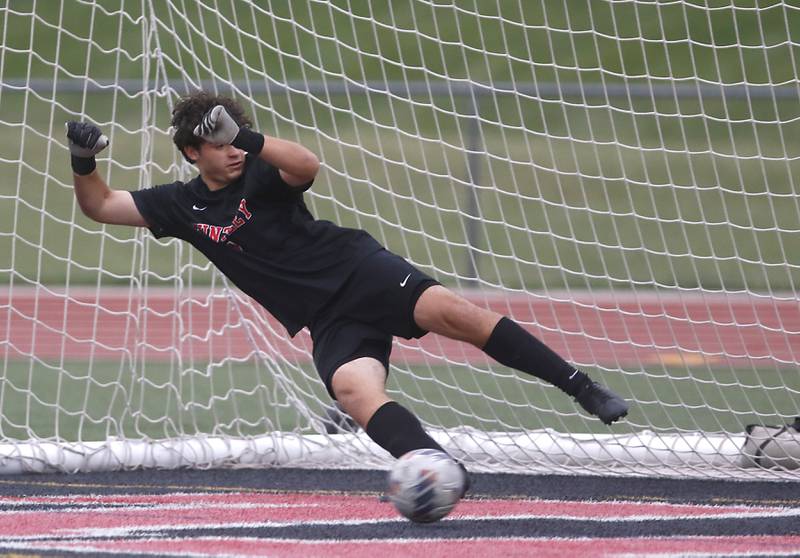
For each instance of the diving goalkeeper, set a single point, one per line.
(245, 211)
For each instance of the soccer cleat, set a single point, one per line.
(601, 402)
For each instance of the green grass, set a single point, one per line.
(602, 193)
(552, 213)
(404, 39)
(92, 402)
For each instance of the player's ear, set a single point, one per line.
(191, 154)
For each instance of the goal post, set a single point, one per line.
(617, 176)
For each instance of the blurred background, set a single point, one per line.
(519, 144)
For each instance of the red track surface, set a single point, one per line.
(198, 509)
(447, 548)
(620, 330)
(261, 525)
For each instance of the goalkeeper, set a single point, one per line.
(245, 211)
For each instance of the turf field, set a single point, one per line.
(92, 402)
(337, 513)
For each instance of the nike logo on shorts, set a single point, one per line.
(404, 281)
(198, 208)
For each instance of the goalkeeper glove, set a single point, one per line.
(85, 141)
(220, 128)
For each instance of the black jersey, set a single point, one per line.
(259, 233)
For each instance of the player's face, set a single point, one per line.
(219, 165)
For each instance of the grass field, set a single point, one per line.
(93, 401)
(614, 192)
(411, 40)
(552, 212)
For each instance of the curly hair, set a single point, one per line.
(190, 110)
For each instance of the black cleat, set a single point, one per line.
(601, 402)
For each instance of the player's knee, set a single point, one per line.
(345, 385)
(359, 387)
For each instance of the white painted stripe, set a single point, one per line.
(55, 546)
(111, 508)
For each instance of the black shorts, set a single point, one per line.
(375, 303)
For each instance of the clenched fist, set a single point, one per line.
(85, 140)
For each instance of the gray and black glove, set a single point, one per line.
(85, 141)
(217, 126)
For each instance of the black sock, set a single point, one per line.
(510, 345)
(396, 430)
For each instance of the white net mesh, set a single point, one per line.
(619, 177)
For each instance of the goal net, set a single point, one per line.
(620, 177)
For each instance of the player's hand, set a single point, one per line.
(217, 126)
(85, 140)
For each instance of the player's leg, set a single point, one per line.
(360, 388)
(352, 346)
(352, 359)
(444, 312)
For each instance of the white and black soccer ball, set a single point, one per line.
(425, 484)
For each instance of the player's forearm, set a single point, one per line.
(290, 157)
(91, 192)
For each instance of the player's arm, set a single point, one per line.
(298, 165)
(97, 201)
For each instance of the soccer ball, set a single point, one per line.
(425, 484)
